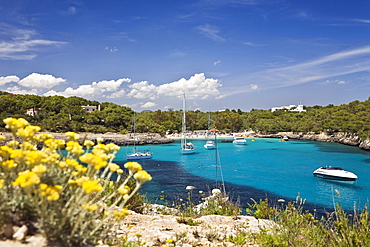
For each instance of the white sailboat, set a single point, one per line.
(186, 147)
(136, 155)
(209, 143)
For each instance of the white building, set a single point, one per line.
(293, 108)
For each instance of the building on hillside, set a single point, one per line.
(33, 112)
(91, 108)
(292, 108)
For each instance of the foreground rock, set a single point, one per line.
(161, 230)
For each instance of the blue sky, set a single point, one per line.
(235, 54)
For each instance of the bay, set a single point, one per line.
(262, 168)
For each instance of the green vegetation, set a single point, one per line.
(60, 114)
(296, 227)
(69, 197)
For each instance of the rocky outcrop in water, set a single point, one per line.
(339, 137)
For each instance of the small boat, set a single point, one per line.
(226, 140)
(139, 155)
(186, 147)
(239, 140)
(334, 173)
(209, 145)
(285, 138)
(136, 155)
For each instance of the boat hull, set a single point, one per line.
(139, 156)
(335, 174)
(187, 151)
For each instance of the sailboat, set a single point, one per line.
(136, 155)
(186, 147)
(209, 144)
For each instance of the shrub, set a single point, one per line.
(64, 195)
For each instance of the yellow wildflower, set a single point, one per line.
(15, 124)
(34, 158)
(94, 160)
(51, 192)
(133, 167)
(2, 138)
(54, 144)
(9, 164)
(26, 179)
(92, 207)
(123, 190)
(72, 136)
(12, 144)
(43, 137)
(27, 146)
(121, 214)
(39, 169)
(2, 183)
(119, 171)
(99, 140)
(88, 143)
(113, 167)
(28, 132)
(112, 147)
(142, 177)
(74, 148)
(91, 186)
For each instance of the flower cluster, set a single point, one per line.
(64, 183)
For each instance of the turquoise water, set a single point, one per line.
(262, 168)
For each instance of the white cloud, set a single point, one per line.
(116, 95)
(39, 81)
(17, 90)
(342, 82)
(21, 46)
(210, 32)
(198, 86)
(95, 89)
(148, 105)
(216, 62)
(323, 68)
(8, 79)
(142, 90)
(254, 86)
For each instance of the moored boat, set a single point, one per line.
(209, 145)
(186, 147)
(239, 140)
(334, 173)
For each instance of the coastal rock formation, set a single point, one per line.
(339, 137)
(118, 139)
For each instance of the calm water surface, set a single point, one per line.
(262, 168)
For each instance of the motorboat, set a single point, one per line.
(239, 140)
(209, 145)
(334, 173)
(285, 138)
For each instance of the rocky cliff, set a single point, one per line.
(339, 137)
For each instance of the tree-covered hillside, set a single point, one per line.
(60, 114)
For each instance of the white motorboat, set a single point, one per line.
(209, 145)
(239, 140)
(285, 138)
(334, 173)
(186, 147)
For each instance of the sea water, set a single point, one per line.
(264, 168)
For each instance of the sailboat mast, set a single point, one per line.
(184, 120)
